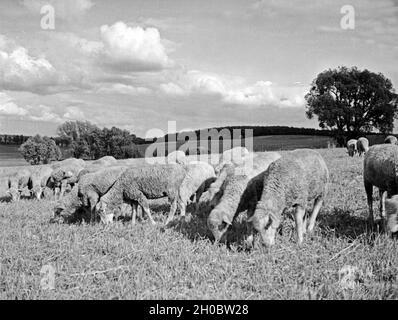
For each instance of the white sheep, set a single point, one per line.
(362, 146)
(392, 214)
(235, 155)
(17, 182)
(177, 156)
(391, 140)
(137, 185)
(65, 173)
(380, 169)
(239, 191)
(39, 179)
(290, 182)
(105, 161)
(198, 177)
(94, 185)
(352, 147)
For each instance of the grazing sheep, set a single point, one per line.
(240, 191)
(137, 185)
(68, 208)
(392, 214)
(65, 173)
(198, 176)
(235, 155)
(291, 181)
(39, 178)
(352, 147)
(380, 169)
(18, 181)
(105, 161)
(362, 146)
(391, 140)
(177, 157)
(94, 185)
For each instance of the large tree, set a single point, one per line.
(352, 101)
(40, 150)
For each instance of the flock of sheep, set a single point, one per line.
(266, 185)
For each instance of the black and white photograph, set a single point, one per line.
(221, 151)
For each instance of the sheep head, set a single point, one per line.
(392, 214)
(218, 223)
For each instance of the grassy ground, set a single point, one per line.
(146, 262)
(10, 156)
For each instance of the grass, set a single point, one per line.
(145, 262)
(10, 156)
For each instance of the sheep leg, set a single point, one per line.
(369, 195)
(173, 209)
(143, 202)
(299, 219)
(383, 195)
(317, 206)
(134, 212)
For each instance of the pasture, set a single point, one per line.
(121, 261)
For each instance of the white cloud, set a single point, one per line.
(43, 113)
(123, 89)
(73, 113)
(20, 71)
(9, 107)
(64, 9)
(133, 48)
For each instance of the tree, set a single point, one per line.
(352, 102)
(40, 150)
(73, 130)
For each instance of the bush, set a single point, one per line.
(40, 150)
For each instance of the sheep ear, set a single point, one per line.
(226, 219)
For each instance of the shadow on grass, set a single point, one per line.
(344, 223)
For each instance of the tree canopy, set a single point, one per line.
(40, 150)
(352, 101)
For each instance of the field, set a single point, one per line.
(10, 156)
(343, 259)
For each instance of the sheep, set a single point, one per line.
(105, 161)
(137, 185)
(240, 191)
(352, 147)
(68, 208)
(198, 177)
(65, 172)
(177, 157)
(39, 178)
(94, 185)
(291, 181)
(392, 214)
(16, 182)
(380, 169)
(235, 155)
(362, 145)
(391, 140)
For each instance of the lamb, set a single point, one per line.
(352, 147)
(240, 191)
(392, 214)
(391, 140)
(198, 177)
(39, 178)
(18, 181)
(291, 181)
(362, 146)
(235, 155)
(94, 185)
(380, 169)
(68, 208)
(177, 157)
(137, 185)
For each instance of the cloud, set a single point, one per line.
(74, 113)
(63, 9)
(21, 71)
(235, 90)
(43, 113)
(133, 48)
(9, 107)
(123, 89)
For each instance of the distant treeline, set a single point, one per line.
(13, 139)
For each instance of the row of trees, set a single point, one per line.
(86, 140)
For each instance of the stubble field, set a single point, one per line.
(342, 259)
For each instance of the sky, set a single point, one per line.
(137, 64)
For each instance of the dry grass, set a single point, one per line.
(146, 262)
